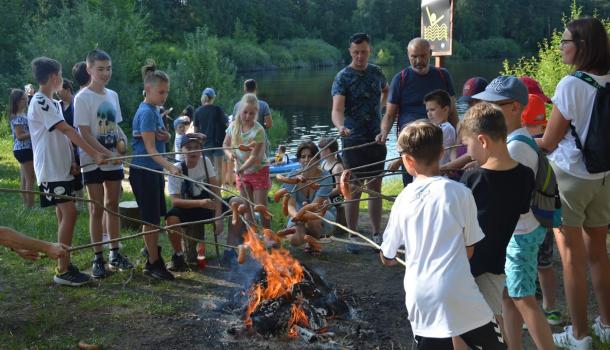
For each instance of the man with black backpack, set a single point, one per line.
(408, 88)
(191, 202)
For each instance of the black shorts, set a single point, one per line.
(148, 188)
(485, 337)
(24, 155)
(99, 176)
(64, 188)
(363, 156)
(545, 251)
(190, 214)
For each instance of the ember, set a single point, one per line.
(287, 298)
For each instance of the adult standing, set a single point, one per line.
(264, 112)
(408, 88)
(211, 120)
(585, 196)
(359, 90)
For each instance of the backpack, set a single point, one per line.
(596, 149)
(546, 204)
(186, 190)
(404, 73)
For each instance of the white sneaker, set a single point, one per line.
(601, 330)
(566, 340)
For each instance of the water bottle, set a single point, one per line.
(202, 262)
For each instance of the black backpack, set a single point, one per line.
(186, 190)
(596, 149)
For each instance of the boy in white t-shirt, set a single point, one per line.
(97, 115)
(436, 221)
(438, 107)
(190, 201)
(519, 301)
(53, 160)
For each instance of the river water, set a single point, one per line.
(303, 96)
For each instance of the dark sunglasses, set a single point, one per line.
(358, 38)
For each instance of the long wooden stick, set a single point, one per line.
(366, 239)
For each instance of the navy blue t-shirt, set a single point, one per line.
(414, 88)
(362, 91)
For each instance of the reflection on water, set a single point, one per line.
(303, 97)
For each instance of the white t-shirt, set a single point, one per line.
(102, 114)
(436, 219)
(53, 154)
(197, 173)
(574, 98)
(449, 136)
(524, 154)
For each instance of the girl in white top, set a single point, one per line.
(585, 197)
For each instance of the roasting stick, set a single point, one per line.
(337, 239)
(125, 238)
(131, 156)
(371, 243)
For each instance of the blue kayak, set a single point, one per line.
(284, 168)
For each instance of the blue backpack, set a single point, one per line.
(546, 204)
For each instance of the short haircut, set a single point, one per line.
(80, 74)
(151, 75)
(282, 148)
(358, 38)
(484, 118)
(43, 68)
(307, 145)
(97, 55)
(67, 85)
(421, 140)
(592, 45)
(250, 85)
(439, 96)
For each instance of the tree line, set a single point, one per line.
(204, 42)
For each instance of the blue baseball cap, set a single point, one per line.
(504, 88)
(209, 92)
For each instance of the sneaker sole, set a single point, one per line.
(64, 282)
(115, 269)
(554, 322)
(156, 276)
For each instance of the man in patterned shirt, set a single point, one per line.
(359, 90)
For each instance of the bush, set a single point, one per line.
(245, 55)
(495, 47)
(547, 67)
(278, 133)
(388, 52)
(461, 51)
(280, 56)
(313, 52)
(199, 65)
(70, 35)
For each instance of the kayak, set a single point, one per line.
(284, 168)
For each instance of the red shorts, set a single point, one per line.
(259, 180)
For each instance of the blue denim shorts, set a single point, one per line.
(522, 263)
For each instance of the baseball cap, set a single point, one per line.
(471, 87)
(181, 120)
(504, 88)
(197, 138)
(534, 113)
(209, 92)
(533, 87)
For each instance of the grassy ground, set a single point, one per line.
(37, 314)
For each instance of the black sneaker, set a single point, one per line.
(72, 277)
(99, 269)
(177, 264)
(157, 270)
(120, 263)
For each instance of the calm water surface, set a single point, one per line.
(303, 97)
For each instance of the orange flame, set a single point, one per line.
(298, 317)
(282, 272)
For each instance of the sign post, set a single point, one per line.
(437, 27)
